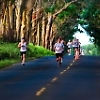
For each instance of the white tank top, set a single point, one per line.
(75, 44)
(23, 47)
(59, 47)
(69, 44)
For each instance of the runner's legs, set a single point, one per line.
(58, 58)
(23, 57)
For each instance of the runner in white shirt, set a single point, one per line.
(58, 47)
(69, 45)
(75, 43)
(76, 46)
(64, 43)
(23, 48)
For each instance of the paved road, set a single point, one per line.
(41, 79)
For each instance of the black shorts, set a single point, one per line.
(69, 48)
(21, 53)
(75, 48)
(59, 55)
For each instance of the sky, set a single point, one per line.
(83, 37)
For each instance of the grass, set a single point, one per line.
(9, 53)
(7, 62)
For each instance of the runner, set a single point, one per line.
(58, 47)
(69, 45)
(23, 45)
(79, 46)
(75, 45)
(76, 54)
(63, 42)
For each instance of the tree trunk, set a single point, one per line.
(7, 20)
(23, 25)
(28, 25)
(11, 22)
(6, 34)
(43, 31)
(11, 15)
(48, 29)
(18, 5)
(52, 36)
(18, 23)
(38, 19)
(3, 22)
(38, 33)
(33, 34)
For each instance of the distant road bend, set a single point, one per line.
(41, 79)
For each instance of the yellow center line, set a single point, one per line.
(61, 73)
(65, 70)
(71, 64)
(73, 61)
(68, 67)
(40, 91)
(54, 79)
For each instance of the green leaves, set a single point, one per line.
(63, 15)
(91, 49)
(70, 11)
(50, 9)
(72, 8)
(90, 17)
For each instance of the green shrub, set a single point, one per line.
(8, 50)
(38, 51)
(11, 51)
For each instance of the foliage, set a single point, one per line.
(7, 62)
(9, 52)
(90, 20)
(91, 49)
(68, 21)
(51, 9)
(84, 12)
(38, 51)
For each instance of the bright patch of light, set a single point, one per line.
(83, 37)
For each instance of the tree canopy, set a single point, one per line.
(41, 21)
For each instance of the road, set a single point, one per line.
(41, 79)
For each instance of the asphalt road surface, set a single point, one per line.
(42, 79)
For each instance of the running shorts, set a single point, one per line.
(59, 55)
(21, 53)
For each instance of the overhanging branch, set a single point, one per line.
(66, 5)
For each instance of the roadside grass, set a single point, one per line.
(10, 54)
(7, 62)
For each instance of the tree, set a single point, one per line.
(90, 19)
(32, 19)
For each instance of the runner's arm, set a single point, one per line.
(54, 47)
(19, 45)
